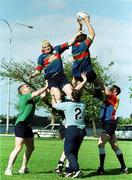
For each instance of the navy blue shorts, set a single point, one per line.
(109, 127)
(91, 76)
(62, 131)
(58, 81)
(23, 130)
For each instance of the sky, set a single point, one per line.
(55, 20)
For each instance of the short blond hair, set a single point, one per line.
(45, 42)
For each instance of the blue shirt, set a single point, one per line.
(81, 55)
(52, 63)
(106, 112)
(108, 109)
(74, 113)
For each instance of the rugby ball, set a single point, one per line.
(80, 15)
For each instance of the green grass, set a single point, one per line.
(47, 153)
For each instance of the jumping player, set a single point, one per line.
(109, 125)
(23, 131)
(81, 55)
(50, 60)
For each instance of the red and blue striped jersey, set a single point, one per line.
(109, 107)
(81, 55)
(52, 63)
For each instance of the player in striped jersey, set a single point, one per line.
(50, 60)
(81, 55)
(109, 124)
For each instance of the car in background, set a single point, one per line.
(50, 131)
(124, 132)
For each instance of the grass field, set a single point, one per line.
(47, 153)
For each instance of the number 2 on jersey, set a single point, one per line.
(78, 112)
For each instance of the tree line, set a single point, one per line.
(20, 71)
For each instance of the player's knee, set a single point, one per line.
(114, 147)
(18, 149)
(67, 89)
(101, 149)
(32, 149)
(100, 145)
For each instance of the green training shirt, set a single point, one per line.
(26, 108)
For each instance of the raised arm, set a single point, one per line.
(53, 101)
(86, 20)
(79, 24)
(81, 85)
(106, 91)
(40, 91)
(44, 93)
(70, 42)
(36, 73)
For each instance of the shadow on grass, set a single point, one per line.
(107, 172)
(45, 172)
(39, 172)
(93, 173)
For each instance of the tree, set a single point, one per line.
(19, 72)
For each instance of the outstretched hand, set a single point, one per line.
(86, 19)
(30, 77)
(83, 75)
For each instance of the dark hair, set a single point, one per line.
(118, 90)
(76, 95)
(81, 37)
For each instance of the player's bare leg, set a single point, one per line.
(18, 146)
(104, 138)
(68, 90)
(29, 143)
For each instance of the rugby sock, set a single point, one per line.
(60, 162)
(102, 156)
(102, 159)
(67, 163)
(120, 158)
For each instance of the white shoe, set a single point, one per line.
(8, 172)
(78, 174)
(124, 170)
(59, 168)
(69, 175)
(23, 171)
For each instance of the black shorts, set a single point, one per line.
(109, 127)
(23, 130)
(91, 76)
(59, 81)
